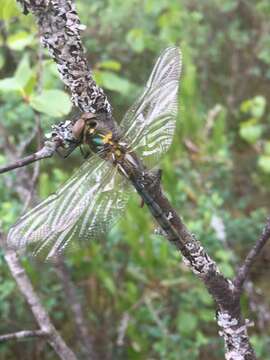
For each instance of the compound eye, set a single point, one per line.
(77, 129)
(92, 124)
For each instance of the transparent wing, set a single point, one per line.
(86, 206)
(150, 123)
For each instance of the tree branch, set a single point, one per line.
(20, 335)
(61, 136)
(60, 27)
(244, 270)
(70, 291)
(227, 299)
(40, 314)
(46, 152)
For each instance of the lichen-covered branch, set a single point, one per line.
(235, 336)
(61, 136)
(59, 28)
(223, 291)
(47, 151)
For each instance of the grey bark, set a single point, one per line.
(59, 28)
(40, 314)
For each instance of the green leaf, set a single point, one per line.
(2, 159)
(109, 285)
(135, 39)
(110, 65)
(137, 273)
(6, 288)
(155, 7)
(113, 82)
(227, 269)
(264, 163)
(23, 72)
(44, 187)
(54, 103)
(259, 104)
(251, 131)
(19, 40)
(9, 84)
(8, 9)
(223, 255)
(229, 5)
(186, 322)
(264, 55)
(267, 148)
(256, 106)
(20, 79)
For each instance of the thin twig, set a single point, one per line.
(85, 338)
(34, 180)
(244, 270)
(40, 314)
(23, 334)
(38, 130)
(255, 301)
(258, 306)
(122, 328)
(22, 147)
(47, 151)
(36, 170)
(156, 317)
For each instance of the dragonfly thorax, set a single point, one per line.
(107, 147)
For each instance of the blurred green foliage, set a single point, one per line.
(217, 172)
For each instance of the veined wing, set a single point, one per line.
(150, 123)
(87, 205)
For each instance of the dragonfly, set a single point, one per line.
(92, 200)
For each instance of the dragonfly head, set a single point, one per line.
(94, 130)
(86, 123)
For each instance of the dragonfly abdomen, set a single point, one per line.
(160, 216)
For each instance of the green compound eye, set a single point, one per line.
(97, 140)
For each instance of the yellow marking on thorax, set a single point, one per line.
(107, 139)
(118, 152)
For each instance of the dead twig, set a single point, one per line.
(47, 151)
(244, 270)
(20, 335)
(81, 325)
(40, 314)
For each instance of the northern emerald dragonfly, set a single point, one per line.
(90, 202)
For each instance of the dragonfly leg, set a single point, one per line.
(123, 171)
(64, 154)
(85, 154)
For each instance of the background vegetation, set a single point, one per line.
(217, 173)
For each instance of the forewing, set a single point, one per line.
(150, 123)
(86, 205)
